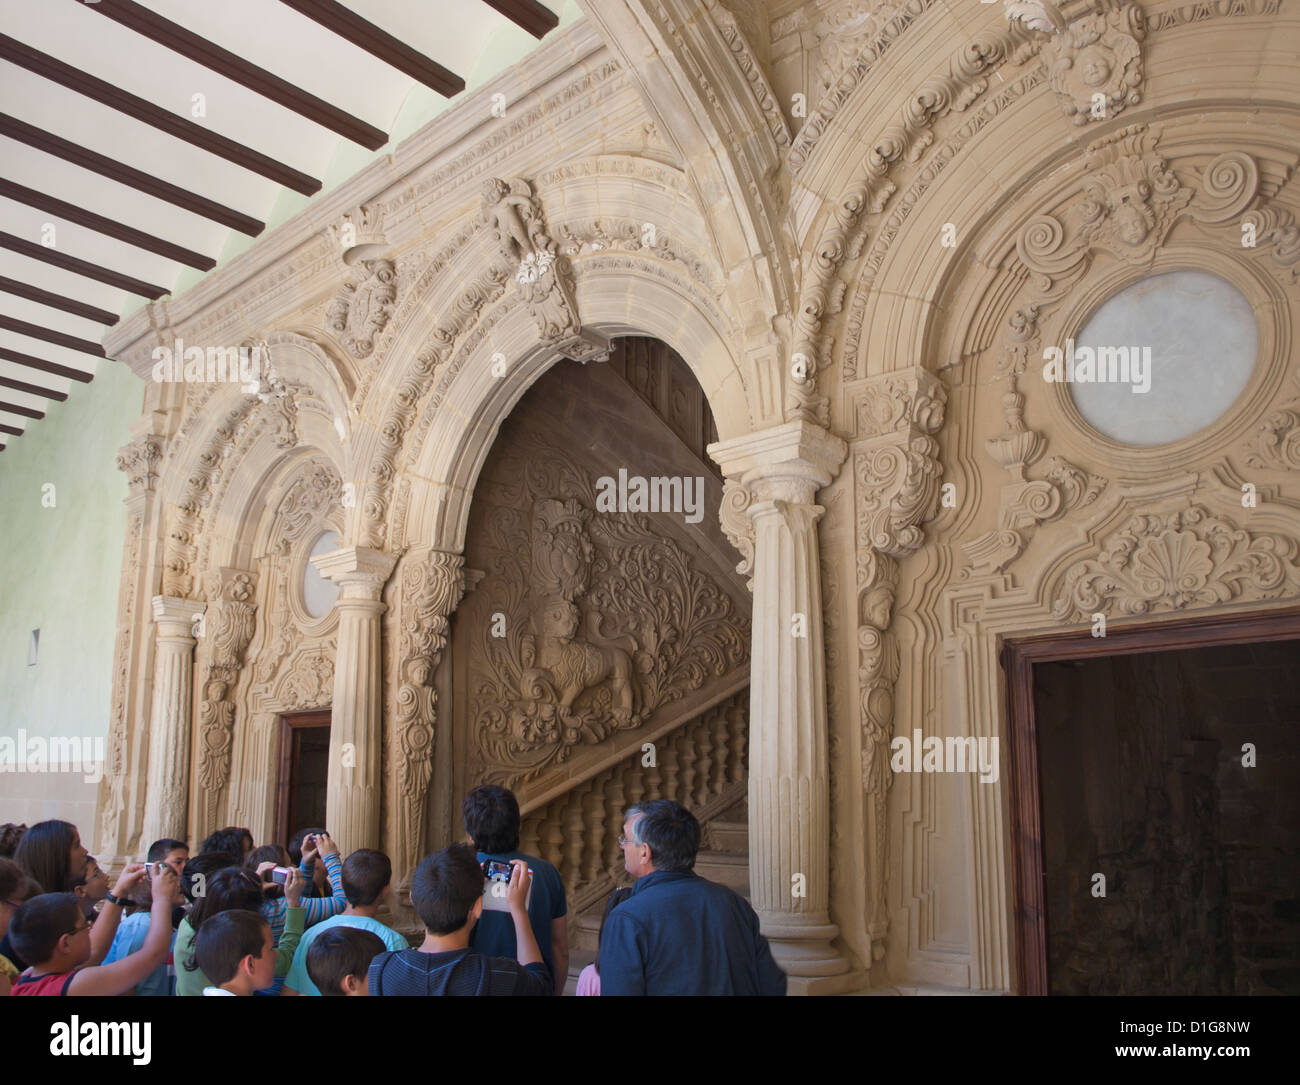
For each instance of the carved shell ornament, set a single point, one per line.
(1189, 558)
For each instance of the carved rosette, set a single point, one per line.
(515, 221)
(896, 473)
(430, 586)
(1177, 560)
(229, 624)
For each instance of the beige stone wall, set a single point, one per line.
(862, 280)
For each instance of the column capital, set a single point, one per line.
(175, 616)
(359, 571)
(789, 462)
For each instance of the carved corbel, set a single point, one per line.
(738, 527)
(228, 628)
(514, 219)
(896, 473)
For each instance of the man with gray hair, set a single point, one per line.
(678, 933)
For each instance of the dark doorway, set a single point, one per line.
(1127, 762)
(303, 768)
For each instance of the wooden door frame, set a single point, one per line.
(289, 723)
(1018, 656)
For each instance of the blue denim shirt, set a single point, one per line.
(679, 934)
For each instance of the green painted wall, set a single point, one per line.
(61, 571)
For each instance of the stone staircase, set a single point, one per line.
(723, 858)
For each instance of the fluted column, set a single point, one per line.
(779, 472)
(352, 801)
(167, 794)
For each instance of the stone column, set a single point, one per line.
(780, 471)
(167, 797)
(352, 803)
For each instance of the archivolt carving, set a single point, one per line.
(753, 71)
(229, 622)
(1277, 441)
(896, 474)
(1098, 54)
(599, 235)
(604, 622)
(1188, 558)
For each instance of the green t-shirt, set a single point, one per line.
(298, 978)
(192, 983)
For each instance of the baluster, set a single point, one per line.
(615, 804)
(718, 728)
(529, 833)
(639, 781)
(689, 765)
(669, 764)
(553, 835)
(704, 740)
(735, 744)
(573, 835)
(595, 827)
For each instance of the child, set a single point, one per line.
(134, 929)
(175, 853)
(447, 892)
(339, 958)
(367, 877)
(16, 886)
(51, 931)
(589, 978)
(91, 887)
(234, 950)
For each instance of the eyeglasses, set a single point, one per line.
(624, 841)
(78, 930)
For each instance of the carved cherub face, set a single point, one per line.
(1093, 66)
(1132, 217)
(493, 189)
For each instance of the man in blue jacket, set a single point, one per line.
(679, 934)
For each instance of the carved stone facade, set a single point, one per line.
(859, 224)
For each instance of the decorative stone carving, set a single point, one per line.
(229, 622)
(605, 621)
(740, 42)
(738, 527)
(1098, 54)
(1277, 442)
(1176, 560)
(896, 473)
(362, 308)
(141, 460)
(430, 585)
(514, 219)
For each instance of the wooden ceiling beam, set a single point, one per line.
(537, 19)
(10, 429)
(32, 362)
(81, 267)
(49, 335)
(41, 140)
(19, 409)
(100, 224)
(33, 389)
(55, 301)
(235, 68)
(379, 43)
(48, 67)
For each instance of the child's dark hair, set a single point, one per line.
(295, 845)
(365, 874)
(491, 816)
(267, 853)
(10, 835)
(231, 889)
(230, 840)
(160, 849)
(225, 940)
(43, 852)
(444, 888)
(198, 871)
(37, 926)
(340, 952)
